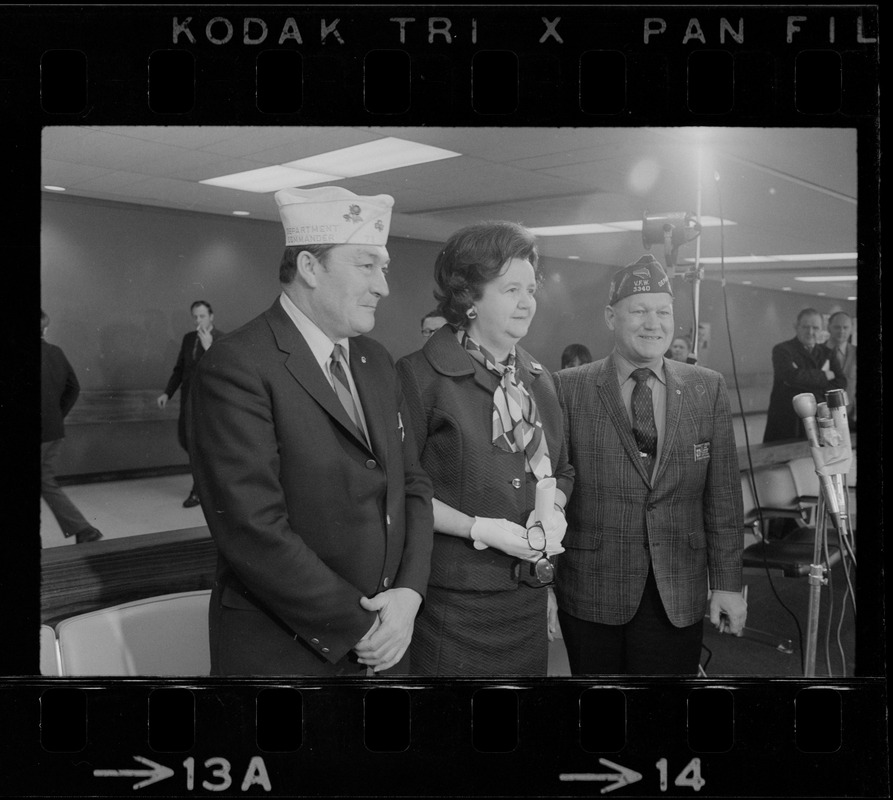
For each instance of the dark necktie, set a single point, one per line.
(644, 427)
(342, 389)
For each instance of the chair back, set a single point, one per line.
(49, 652)
(164, 635)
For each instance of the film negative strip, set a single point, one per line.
(577, 66)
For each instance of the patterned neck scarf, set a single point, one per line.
(516, 424)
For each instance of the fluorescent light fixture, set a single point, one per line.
(348, 162)
(269, 179)
(377, 156)
(851, 298)
(747, 283)
(786, 288)
(55, 188)
(611, 227)
(777, 258)
(827, 278)
(574, 258)
(241, 213)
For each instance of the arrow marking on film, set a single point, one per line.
(623, 776)
(157, 772)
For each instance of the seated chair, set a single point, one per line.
(49, 652)
(164, 635)
(777, 496)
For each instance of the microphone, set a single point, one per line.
(836, 401)
(805, 406)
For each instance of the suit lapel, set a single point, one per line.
(675, 398)
(305, 369)
(609, 392)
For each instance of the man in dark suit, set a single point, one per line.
(800, 365)
(308, 479)
(192, 348)
(654, 523)
(59, 390)
(840, 330)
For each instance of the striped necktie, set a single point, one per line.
(644, 427)
(342, 389)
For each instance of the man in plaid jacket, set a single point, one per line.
(654, 524)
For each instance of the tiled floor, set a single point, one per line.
(127, 508)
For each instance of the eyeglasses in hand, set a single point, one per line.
(542, 570)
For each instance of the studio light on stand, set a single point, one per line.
(674, 230)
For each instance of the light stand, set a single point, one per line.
(674, 230)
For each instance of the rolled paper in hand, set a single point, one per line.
(544, 506)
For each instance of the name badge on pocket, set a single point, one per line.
(702, 451)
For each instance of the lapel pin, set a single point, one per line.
(679, 391)
(363, 359)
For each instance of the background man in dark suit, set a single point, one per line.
(59, 390)
(840, 329)
(800, 365)
(655, 518)
(193, 347)
(308, 479)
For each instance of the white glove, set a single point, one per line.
(555, 528)
(502, 535)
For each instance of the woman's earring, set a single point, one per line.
(471, 313)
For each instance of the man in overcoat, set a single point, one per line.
(194, 345)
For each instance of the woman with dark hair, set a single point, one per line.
(489, 428)
(575, 355)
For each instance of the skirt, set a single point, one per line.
(481, 634)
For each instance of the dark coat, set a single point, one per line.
(797, 371)
(307, 519)
(191, 352)
(690, 517)
(450, 398)
(59, 390)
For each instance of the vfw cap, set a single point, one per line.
(644, 276)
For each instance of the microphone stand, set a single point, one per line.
(817, 572)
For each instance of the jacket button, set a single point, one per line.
(516, 483)
(314, 641)
(370, 464)
(325, 649)
(385, 582)
(388, 518)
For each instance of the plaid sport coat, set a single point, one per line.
(687, 524)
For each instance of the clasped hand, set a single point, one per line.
(386, 641)
(505, 536)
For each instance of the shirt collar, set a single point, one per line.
(625, 367)
(320, 345)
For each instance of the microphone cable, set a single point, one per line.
(722, 266)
